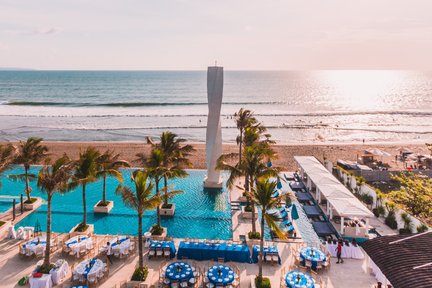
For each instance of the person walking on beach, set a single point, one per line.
(339, 252)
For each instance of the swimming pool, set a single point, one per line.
(200, 213)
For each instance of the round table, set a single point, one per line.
(83, 270)
(36, 242)
(120, 244)
(312, 254)
(302, 281)
(220, 274)
(179, 271)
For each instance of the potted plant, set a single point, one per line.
(85, 169)
(29, 153)
(108, 165)
(246, 212)
(407, 224)
(139, 277)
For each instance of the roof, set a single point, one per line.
(396, 261)
(339, 197)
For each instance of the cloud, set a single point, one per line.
(37, 31)
(48, 31)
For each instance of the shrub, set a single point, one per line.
(390, 220)
(248, 208)
(103, 204)
(32, 200)
(2, 223)
(166, 206)
(46, 269)
(156, 230)
(81, 227)
(367, 199)
(404, 231)
(407, 222)
(140, 274)
(254, 235)
(378, 211)
(262, 282)
(422, 228)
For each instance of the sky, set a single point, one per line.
(238, 34)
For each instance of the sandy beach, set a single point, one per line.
(333, 152)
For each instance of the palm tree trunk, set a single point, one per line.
(165, 190)
(253, 211)
(48, 233)
(253, 217)
(27, 184)
(261, 255)
(104, 190)
(157, 208)
(140, 240)
(240, 145)
(84, 205)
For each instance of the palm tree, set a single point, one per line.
(243, 118)
(261, 195)
(109, 165)
(157, 170)
(141, 200)
(85, 172)
(252, 167)
(29, 152)
(53, 179)
(175, 157)
(7, 156)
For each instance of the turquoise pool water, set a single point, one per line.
(200, 213)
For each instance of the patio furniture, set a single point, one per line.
(164, 245)
(297, 279)
(271, 254)
(311, 256)
(220, 275)
(213, 251)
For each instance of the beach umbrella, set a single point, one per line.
(269, 164)
(279, 184)
(294, 213)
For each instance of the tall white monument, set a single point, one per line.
(214, 133)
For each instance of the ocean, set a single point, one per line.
(297, 107)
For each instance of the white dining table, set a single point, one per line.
(41, 282)
(36, 242)
(122, 246)
(96, 269)
(60, 272)
(77, 242)
(351, 251)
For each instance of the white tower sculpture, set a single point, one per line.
(214, 133)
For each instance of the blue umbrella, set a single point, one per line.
(269, 164)
(279, 184)
(294, 213)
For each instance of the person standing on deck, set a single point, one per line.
(339, 252)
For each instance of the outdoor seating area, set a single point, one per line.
(78, 246)
(214, 251)
(35, 247)
(270, 254)
(89, 271)
(56, 275)
(163, 249)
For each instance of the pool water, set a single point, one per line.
(200, 213)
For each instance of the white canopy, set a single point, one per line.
(338, 196)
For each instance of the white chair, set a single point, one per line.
(175, 284)
(29, 252)
(268, 257)
(184, 284)
(210, 285)
(116, 252)
(167, 252)
(308, 264)
(275, 258)
(75, 276)
(91, 278)
(82, 251)
(39, 251)
(159, 253)
(152, 253)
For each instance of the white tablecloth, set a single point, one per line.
(97, 268)
(75, 245)
(59, 273)
(122, 247)
(347, 251)
(32, 244)
(42, 282)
